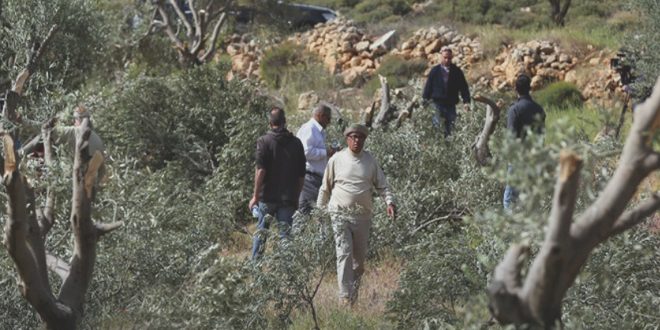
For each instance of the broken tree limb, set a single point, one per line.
(407, 113)
(569, 244)
(369, 115)
(384, 102)
(33, 60)
(480, 148)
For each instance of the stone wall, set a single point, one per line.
(426, 44)
(347, 50)
(344, 49)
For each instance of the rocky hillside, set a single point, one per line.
(347, 50)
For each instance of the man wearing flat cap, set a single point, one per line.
(66, 134)
(350, 178)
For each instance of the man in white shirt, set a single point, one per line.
(312, 135)
(350, 178)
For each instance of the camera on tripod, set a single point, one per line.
(622, 67)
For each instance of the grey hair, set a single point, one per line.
(322, 108)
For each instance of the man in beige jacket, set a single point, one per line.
(350, 178)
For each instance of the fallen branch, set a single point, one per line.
(480, 148)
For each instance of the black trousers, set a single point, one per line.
(309, 193)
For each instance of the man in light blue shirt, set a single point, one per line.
(313, 135)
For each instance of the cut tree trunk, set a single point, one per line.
(25, 236)
(568, 244)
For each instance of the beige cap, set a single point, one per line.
(356, 128)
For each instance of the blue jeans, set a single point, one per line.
(510, 193)
(446, 112)
(284, 216)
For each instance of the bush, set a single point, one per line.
(277, 60)
(644, 47)
(370, 11)
(179, 117)
(398, 72)
(560, 95)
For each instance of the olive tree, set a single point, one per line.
(27, 228)
(568, 244)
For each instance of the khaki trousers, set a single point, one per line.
(351, 242)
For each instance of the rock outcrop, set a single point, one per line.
(245, 53)
(426, 44)
(344, 49)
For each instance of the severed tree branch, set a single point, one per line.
(407, 113)
(563, 201)
(33, 60)
(369, 114)
(480, 148)
(384, 102)
(105, 228)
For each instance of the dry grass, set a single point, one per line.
(378, 284)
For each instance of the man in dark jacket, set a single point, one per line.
(278, 179)
(444, 83)
(523, 114)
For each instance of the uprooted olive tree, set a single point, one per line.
(27, 227)
(568, 244)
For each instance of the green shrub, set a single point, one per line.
(398, 72)
(370, 11)
(644, 47)
(277, 60)
(560, 95)
(179, 117)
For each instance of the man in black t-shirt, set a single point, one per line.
(278, 179)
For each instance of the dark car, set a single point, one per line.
(298, 16)
(302, 16)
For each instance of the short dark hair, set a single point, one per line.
(323, 109)
(523, 84)
(277, 117)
